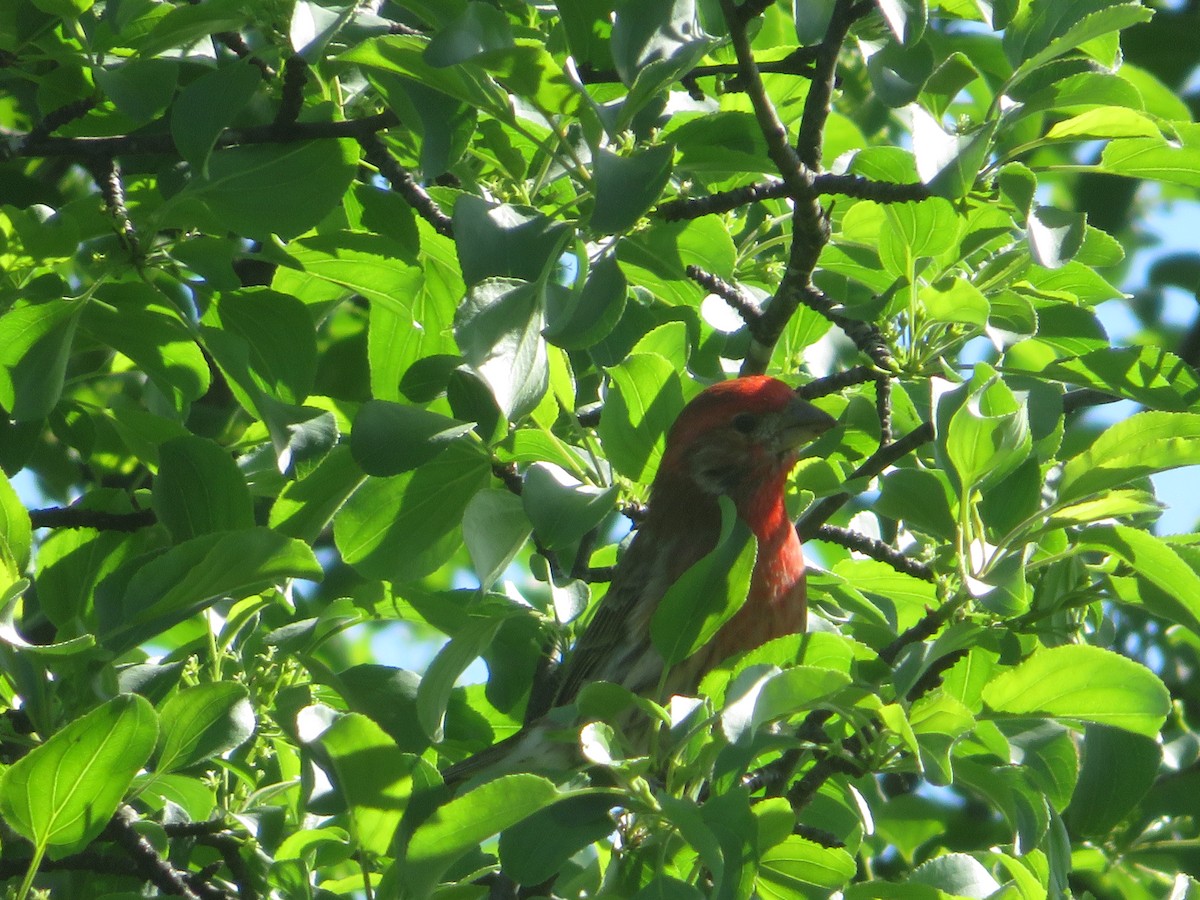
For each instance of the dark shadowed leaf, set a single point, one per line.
(465, 821)
(146, 597)
(627, 186)
(495, 529)
(199, 489)
(390, 438)
(207, 106)
(499, 329)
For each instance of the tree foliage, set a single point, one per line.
(332, 334)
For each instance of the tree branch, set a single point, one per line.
(149, 864)
(741, 304)
(78, 517)
(295, 77)
(811, 521)
(855, 186)
(405, 185)
(877, 550)
(34, 145)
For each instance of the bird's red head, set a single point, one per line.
(750, 426)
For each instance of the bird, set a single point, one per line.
(740, 439)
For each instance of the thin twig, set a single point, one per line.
(295, 78)
(741, 304)
(878, 550)
(819, 513)
(78, 517)
(831, 384)
(150, 865)
(57, 118)
(107, 175)
(403, 184)
(119, 145)
(883, 408)
(855, 186)
(798, 63)
(818, 103)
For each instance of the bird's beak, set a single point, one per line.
(801, 422)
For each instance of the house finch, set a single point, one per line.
(738, 438)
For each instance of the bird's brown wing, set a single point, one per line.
(615, 646)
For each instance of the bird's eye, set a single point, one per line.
(744, 422)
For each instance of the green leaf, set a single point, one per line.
(811, 18)
(405, 56)
(1119, 502)
(260, 190)
(374, 777)
(1082, 683)
(708, 594)
(411, 306)
(905, 18)
(916, 231)
(1101, 801)
(653, 43)
(35, 345)
(754, 700)
(949, 163)
(898, 73)
(16, 531)
(143, 599)
(1175, 161)
(644, 399)
(1055, 235)
(61, 794)
(305, 506)
(279, 334)
(588, 315)
(477, 30)
(185, 25)
(199, 489)
(533, 850)
(10, 596)
(957, 874)
(1104, 123)
(499, 329)
(404, 527)
(201, 722)
(495, 529)
(503, 241)
(796, 866)
(988, 436)
(562, 508)
(1144, 443)
(530, 71)
(141, 89)
(451, 661)
(664, 887)
(1171, 588)
(1150, 375)
(388, 696)
(955, 301)
(1043, 32)
(209, 105)
(390, 438)
(138, 321)
(462, 823)
(627, 186)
